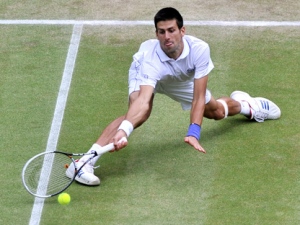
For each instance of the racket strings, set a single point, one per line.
(46, 174)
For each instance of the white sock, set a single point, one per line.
(245, 108)
(94, 147)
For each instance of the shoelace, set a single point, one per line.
(260, 116)
(263, 112)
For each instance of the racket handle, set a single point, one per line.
(109, 147)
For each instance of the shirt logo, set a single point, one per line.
(191, 70)
(145, 76)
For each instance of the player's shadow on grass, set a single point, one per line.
(227, 126)
(136, 157)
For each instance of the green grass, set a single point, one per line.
(31, 62)
(248, 176)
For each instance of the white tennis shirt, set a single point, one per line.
(151, 66)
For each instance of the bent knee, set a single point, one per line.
(217, 114)
(220, 111)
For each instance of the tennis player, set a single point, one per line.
(177, 65)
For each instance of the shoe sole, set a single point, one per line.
(82, 181)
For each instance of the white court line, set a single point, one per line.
(148, 22)
(59, 111)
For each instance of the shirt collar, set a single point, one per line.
(163, 57)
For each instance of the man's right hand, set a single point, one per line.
(119, 140)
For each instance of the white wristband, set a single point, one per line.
(127, 127)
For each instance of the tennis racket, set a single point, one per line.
(44, 175)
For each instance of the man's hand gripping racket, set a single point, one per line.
(44, 174)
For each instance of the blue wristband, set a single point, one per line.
(194, 130)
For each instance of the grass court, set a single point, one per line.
(250, 174)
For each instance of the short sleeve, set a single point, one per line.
(203, 62)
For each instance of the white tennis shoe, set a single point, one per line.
(86, 174)
(260, 108)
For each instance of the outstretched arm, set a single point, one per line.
(138, 112)
(197, 112)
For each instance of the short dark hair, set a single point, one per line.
(168, 13)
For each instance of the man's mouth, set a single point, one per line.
(168, 44)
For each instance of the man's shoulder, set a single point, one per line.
(192, 40)
(147, 45)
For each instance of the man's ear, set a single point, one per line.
(182, 30)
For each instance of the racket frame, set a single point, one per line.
(93, 154)
(72, 161)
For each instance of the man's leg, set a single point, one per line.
(87, 173)
(240, 102)
(221, 108)
(109, 131)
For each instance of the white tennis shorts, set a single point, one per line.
(181, 92)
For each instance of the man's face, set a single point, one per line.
(170, 38)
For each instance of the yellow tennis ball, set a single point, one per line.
(64, 199)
